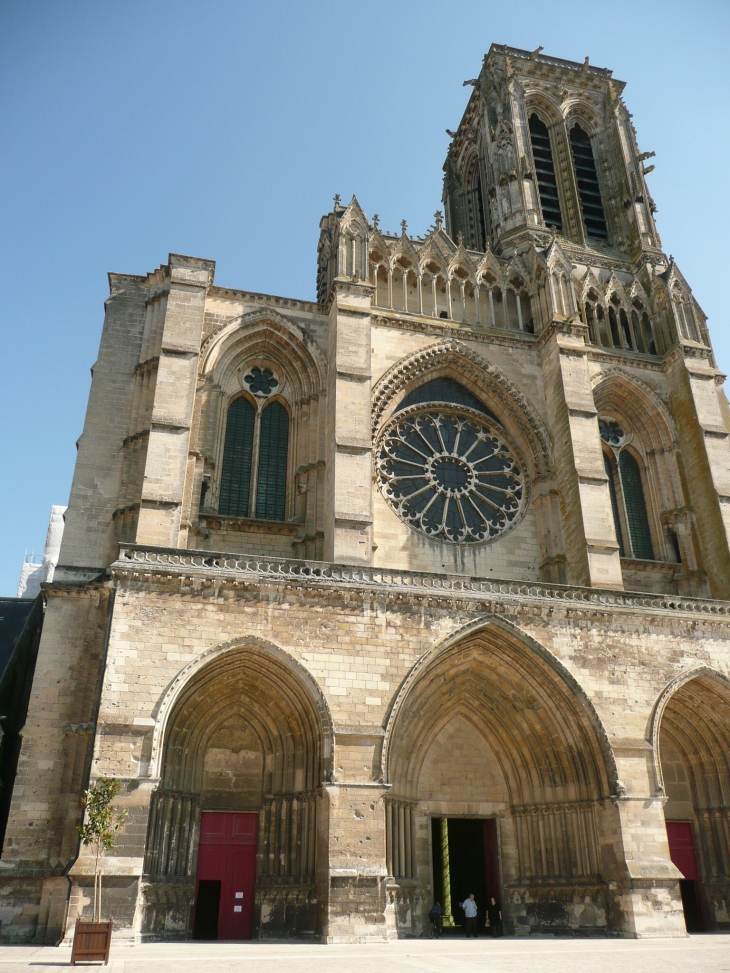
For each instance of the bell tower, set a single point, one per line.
(545, 171)
(547, 145)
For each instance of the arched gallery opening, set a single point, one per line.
(694, 750)
(500, 781)
(232, 839)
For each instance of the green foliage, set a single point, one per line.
(102, 821)
(101, 826)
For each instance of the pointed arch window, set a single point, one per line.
(589, 189)
(595, 318)
(547, 183)
(686, 316)
(255, 460)
(642, 328)
(628, 502)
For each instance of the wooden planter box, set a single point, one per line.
(92, 941)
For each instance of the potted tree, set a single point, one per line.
(92, 940)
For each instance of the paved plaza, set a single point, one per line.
(696, 954)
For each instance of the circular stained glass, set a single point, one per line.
(449, 475)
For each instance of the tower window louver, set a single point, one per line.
(545, 169)
(588, 188)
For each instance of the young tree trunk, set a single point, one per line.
(97, 887)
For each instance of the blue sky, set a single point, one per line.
(223, 129)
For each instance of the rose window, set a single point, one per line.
(449, 475)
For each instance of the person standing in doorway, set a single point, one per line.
(494, 918)
(470, 915)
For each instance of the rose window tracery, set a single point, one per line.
(449, 475)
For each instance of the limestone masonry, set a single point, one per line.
(419, 589)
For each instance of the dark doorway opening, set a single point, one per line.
(691, 905)
(682, 853)
(207, 904)
(465, 859)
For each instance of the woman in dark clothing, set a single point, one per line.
(494, 916)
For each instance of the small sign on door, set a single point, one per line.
(239, 895)
(237, 908)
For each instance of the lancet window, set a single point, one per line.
(255, 452)
(625, 484)
(518, 311)
(595, 318)
(589, 189)
(618, 326)
(474, 206)
(490, 294)
(547, 183)
(685, 316)
(642, 328)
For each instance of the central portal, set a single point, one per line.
(465, 860)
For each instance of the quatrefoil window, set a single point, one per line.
(449, 475)
(261, 381)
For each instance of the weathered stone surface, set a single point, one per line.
(350, 670)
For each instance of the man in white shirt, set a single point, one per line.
(470, 915)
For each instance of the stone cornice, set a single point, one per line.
(137, 561)
(272, 300)
(449, 328)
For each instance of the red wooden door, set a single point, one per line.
(682, 853)
(227, 853)
(682, 848)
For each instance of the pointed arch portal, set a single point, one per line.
(692, 745)
(245, 751)
(491, 726)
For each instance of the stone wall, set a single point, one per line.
(357, 637)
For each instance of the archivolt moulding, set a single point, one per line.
(655, 721)
(505, 397)
(195, 666)
(514, 633)
(607, 376)
(292, 348)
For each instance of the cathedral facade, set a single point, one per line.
(415, 590)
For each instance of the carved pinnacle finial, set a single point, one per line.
(460, 238)
(376, 221)
(585, 66)
(403, 227)
(337, 200)
(439, 217)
